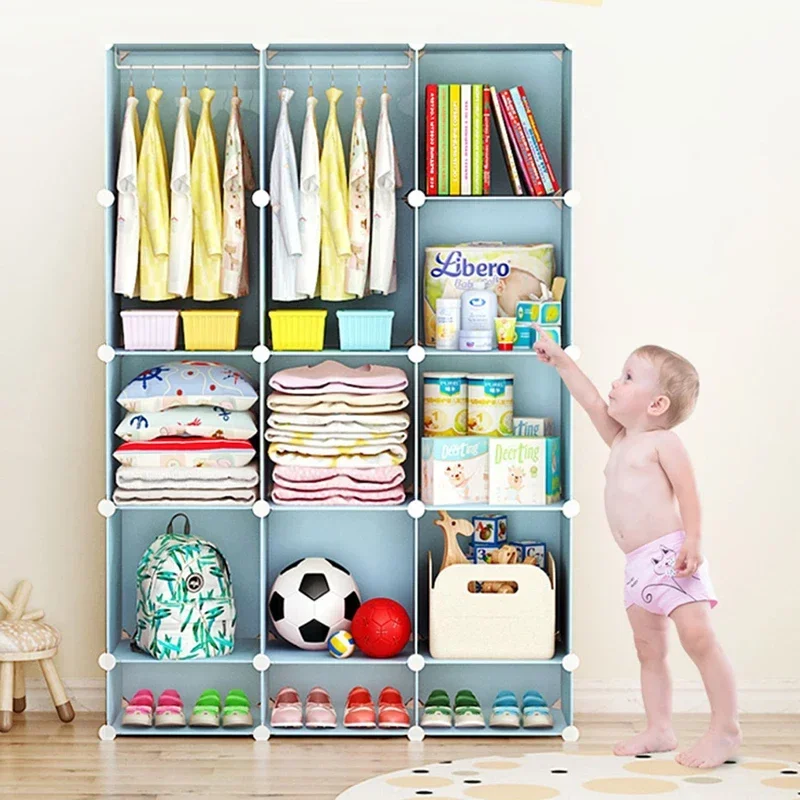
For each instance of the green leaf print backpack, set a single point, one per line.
(184, 598)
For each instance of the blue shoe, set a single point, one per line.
(533, 698)
(505, 711)
(535, 712)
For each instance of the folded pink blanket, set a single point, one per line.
(337, 403)
(339, 497)
(331, 376)
(311, 479)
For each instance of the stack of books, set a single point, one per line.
(458, 141)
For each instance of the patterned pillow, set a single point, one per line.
(179, 451)
(211, 422)
(189, 383)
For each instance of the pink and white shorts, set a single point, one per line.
(650, 580)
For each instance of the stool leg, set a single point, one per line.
(19, 687)
(6, 693)
(60, 700)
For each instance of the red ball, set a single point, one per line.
(381, 628)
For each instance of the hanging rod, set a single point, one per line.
(327, 67)
(121, 55)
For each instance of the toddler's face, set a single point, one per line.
(632, 393)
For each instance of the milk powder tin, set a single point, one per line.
(490, 405)
(445, 403)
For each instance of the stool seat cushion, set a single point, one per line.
(27, 636)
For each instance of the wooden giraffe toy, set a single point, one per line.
(452, 529)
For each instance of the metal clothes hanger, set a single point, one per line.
(131, 92)
(235, 86)
(358, 80)
(310, 81)
(183, 80)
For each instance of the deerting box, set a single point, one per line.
(524, 470)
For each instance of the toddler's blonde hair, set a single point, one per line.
(678, 380)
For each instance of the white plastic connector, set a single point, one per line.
(107, 661)
(416, 47)
(416, 354)
(261, 662)
(571, 662)
(261, 198)
(416, 662)
(261, 733)
(416, 509)
(570, 734)
(261, 508)
(573, 351)
(572, 198)
(261, 354)
(571, 509)
(106, 508)
(107, 733)
(415, 734)
(416, 198)
(260, 46)
(105, 198)
(106, 353)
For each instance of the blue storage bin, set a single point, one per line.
(365, 330)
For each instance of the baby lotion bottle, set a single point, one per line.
(479, 311)
(505, 332)
(447, 323)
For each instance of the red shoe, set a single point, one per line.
(359, 712)
(392, 712)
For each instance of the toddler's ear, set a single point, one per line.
(659, 406)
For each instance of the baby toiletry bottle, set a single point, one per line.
(478, 311)
(447, 323)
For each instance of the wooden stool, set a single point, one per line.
(23, 637)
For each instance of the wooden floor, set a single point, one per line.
(43, 758)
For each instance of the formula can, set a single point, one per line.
(490, 405)
(445, 403)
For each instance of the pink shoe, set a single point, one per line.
(139, 710)
(392, 712)
(319, 709)
(359, 712)
(169, 710)
(287, 712)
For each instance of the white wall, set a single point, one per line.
(686, 118)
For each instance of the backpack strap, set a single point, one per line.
(186, 526)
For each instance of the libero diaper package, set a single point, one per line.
(525, 471)
(512, 271)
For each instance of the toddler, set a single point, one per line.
(654, 513)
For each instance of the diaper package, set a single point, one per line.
(525, 471)
(455, 469)
(512, 272)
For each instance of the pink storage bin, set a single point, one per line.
(150, 330)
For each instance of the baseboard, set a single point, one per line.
(773, 696)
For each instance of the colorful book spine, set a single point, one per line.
(466, 139)
(487, 140)
(548, 166)
(477, 139)
(505, 142)
(455, 139)
(443, 134)
(525, 160)
(531, 139)
(431, 141)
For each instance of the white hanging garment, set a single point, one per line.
(307, 282)
(383, 265)
(285, 203)
(180, 219)
(126, 259)
(358, 216)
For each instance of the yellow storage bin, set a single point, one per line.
(299, 329)
(211, 330)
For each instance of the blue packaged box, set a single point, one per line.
(455, 470)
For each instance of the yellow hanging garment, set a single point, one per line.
(153, 206)
(207, 206)
(335, 251)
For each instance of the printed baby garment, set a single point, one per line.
(358, 217)
(383, 265)
(285, 203)
(153, 206)
(126, 260)
(307, 282)
(238, 177)
(335, 250)
(207, 205)
(180, 224)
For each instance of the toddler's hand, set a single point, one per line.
(688, 560)
(546, 349)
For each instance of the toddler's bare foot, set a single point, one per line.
(713, 749)
(651, 741)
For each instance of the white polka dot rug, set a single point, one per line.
(580, 776)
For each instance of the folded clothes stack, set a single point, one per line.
(186, 436)
(337, 434)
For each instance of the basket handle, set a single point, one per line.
(186, 526)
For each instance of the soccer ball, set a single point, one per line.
(311, 599)
(381, 628)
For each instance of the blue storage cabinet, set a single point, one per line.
(384, 547)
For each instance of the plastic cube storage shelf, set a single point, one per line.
(385, 548)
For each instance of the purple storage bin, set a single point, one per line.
(150, 330)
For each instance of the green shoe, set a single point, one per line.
(206, 710)
(236, 713)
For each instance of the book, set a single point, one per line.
(466, 139)
(431, 139)
(548, 166)
(487, 140)
(505, 142)
(477, 139)
(455, 139)
(443, 146)
(525, 161)
(530, 139)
